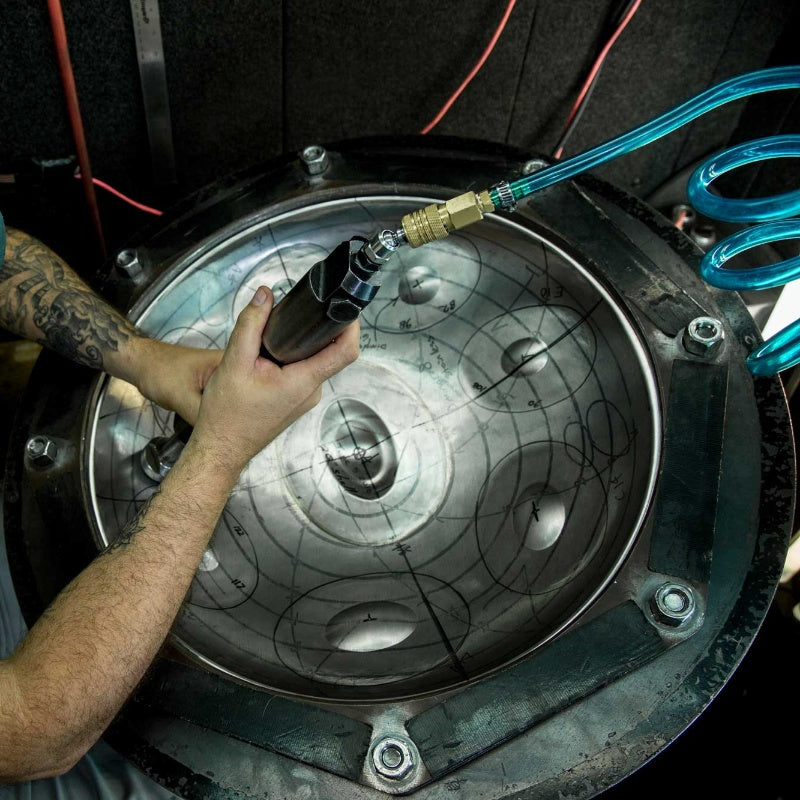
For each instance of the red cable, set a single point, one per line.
(596, 67)
(71, 96)
(117, 193)
(446, 107)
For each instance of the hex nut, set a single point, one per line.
(463, 210)
(127, 262)
(393, 758)
(703, 337)
(41, 451)
(685, 214)
(315, 159)
(673, 604)
(704, 235)
(534, 165)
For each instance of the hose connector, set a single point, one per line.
(439, 220)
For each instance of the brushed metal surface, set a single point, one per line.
(460, 494)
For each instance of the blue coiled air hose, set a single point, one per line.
(783, 349)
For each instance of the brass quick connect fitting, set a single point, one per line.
(438, 220)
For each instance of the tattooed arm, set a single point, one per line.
(42, 299)
(87, 652)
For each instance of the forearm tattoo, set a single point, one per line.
(132, 526)
(41, 298)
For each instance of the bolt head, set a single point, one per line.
(704, 235)
(703, 336)
(534, 165)
(393, 758)
(315, 159)
(159, 456)
(673, 604)
(127, 262)
(41, 451)
(687, 212)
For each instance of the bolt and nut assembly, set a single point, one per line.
(534, 165)
(41, 451)
(673, 604)
(127, 262)
(393, 758)
(315, 159)
(704, 236)
(703, 336)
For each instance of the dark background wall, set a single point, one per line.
(249, 79)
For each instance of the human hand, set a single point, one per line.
(174, 377)
(249, 400)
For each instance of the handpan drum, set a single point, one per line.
(440, 512)
(525, 515)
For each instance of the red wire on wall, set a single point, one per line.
(117, 193)
(135, 203)
(474, 71)
(73, 108)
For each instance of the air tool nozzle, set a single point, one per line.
(330, 296)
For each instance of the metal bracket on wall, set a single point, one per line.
(153, 76)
